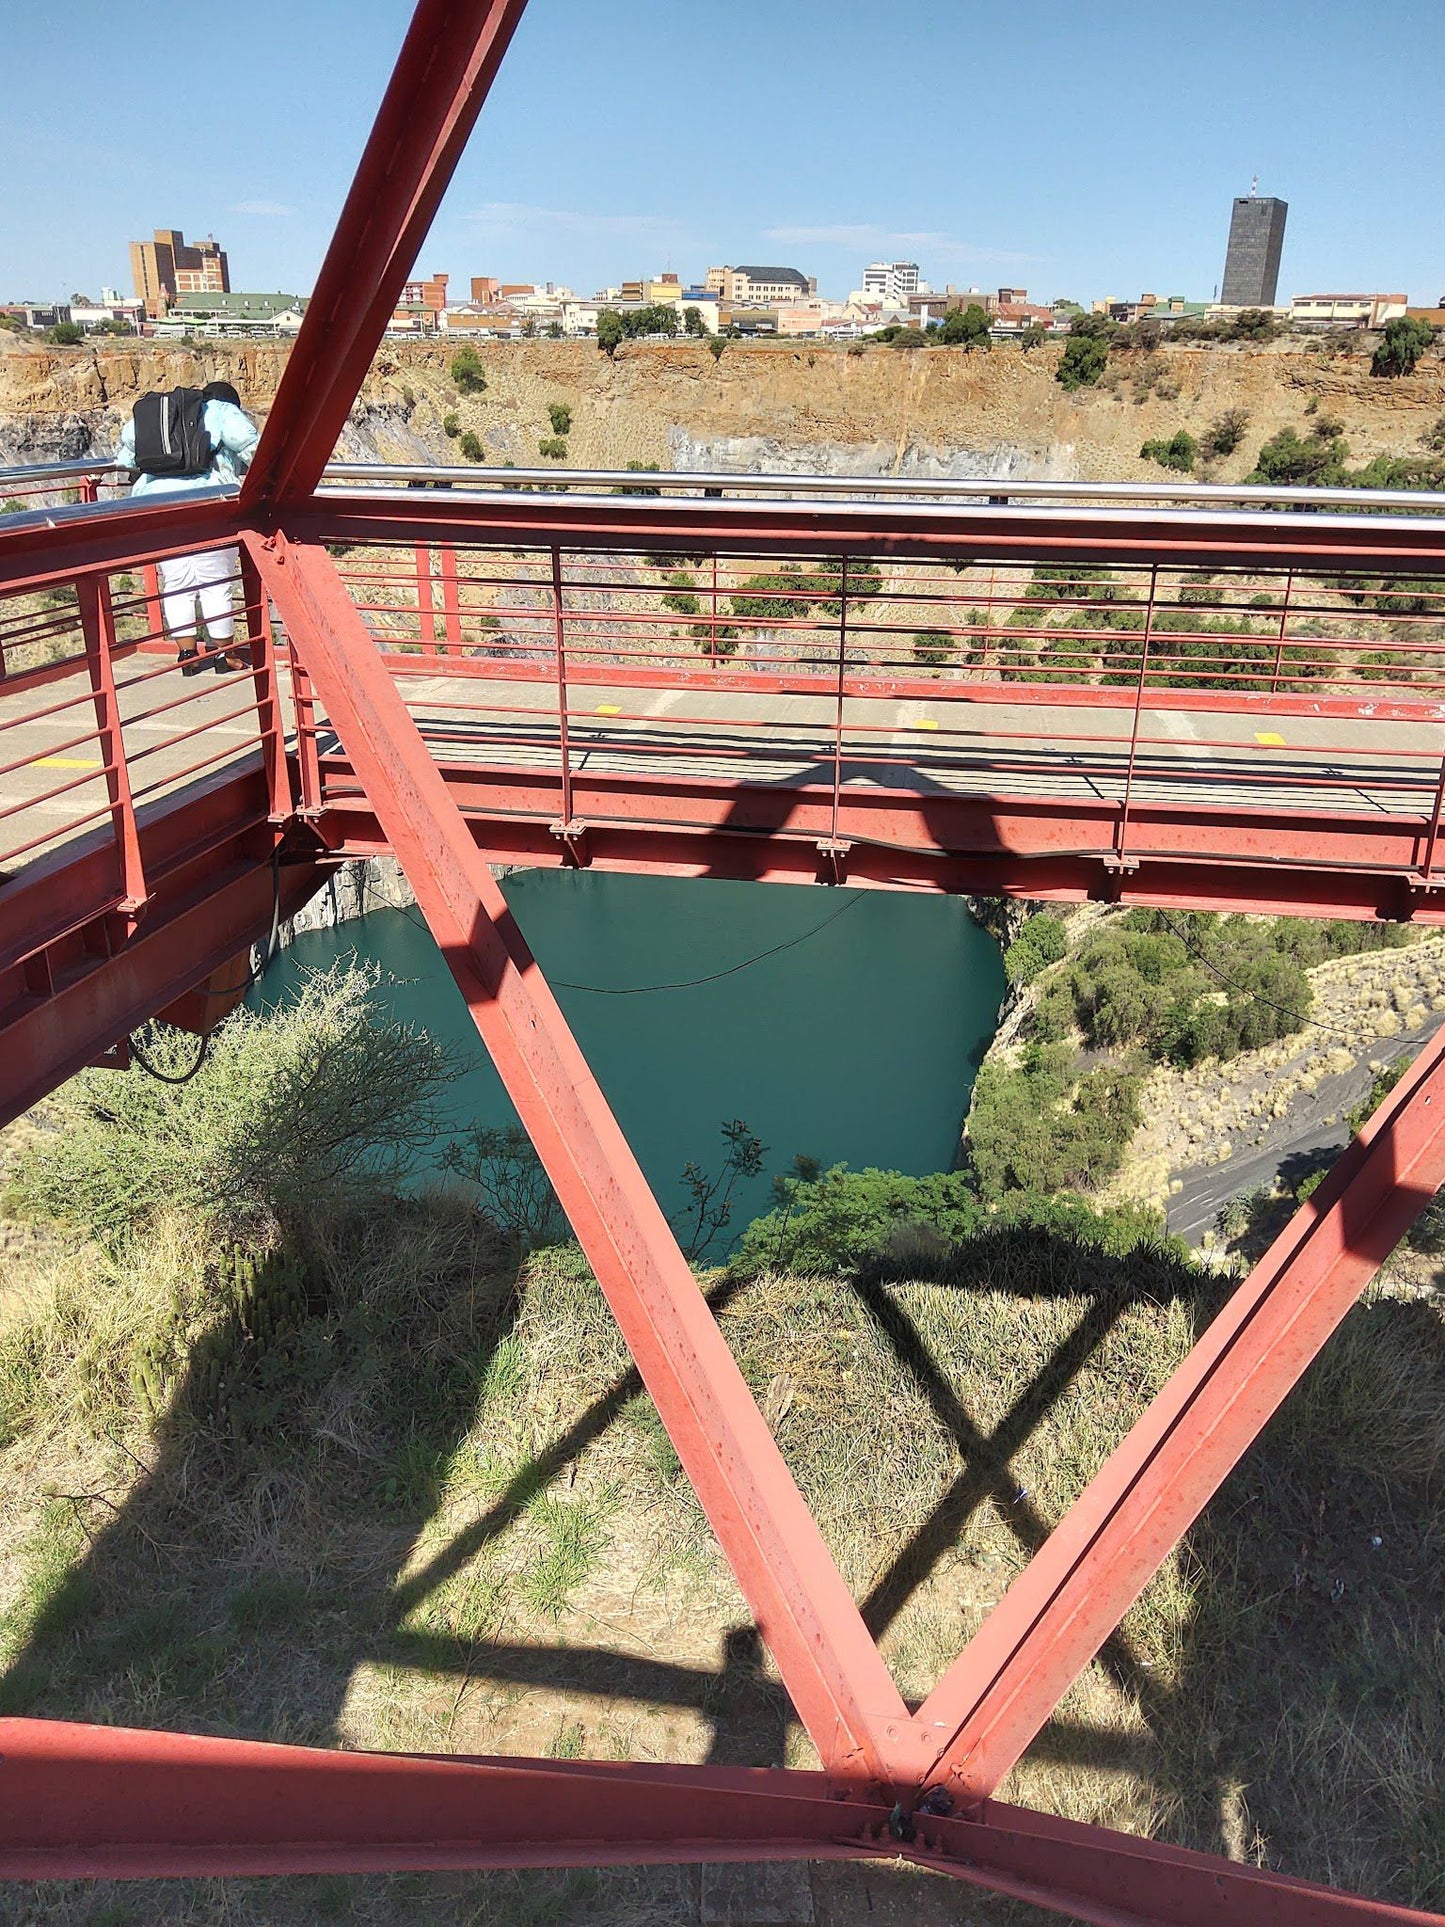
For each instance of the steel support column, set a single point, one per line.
(1078, 1586)
(839, 1684)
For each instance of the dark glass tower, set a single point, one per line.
(1251, 266)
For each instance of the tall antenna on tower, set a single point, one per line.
(1254, 187)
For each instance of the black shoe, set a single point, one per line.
(223, 665)
(191, 664)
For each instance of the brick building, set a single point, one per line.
(166, 267)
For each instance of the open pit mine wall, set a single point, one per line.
(924, 413)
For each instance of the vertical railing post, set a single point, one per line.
(838, 705)
(1123, 830)
(308, 761)
(712, 648)
(451, 598)
(1428, 868)
(97, 622)
(560, 642)
(1283, 630)
(426, 623)
(155, 614)
(256, 612)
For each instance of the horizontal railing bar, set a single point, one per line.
(967, 488)
(971, 489)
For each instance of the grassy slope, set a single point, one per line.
(442, 1515)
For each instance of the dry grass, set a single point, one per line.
(462, 1527)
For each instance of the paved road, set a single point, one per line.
(1295, 1143)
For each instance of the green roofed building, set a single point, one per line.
(234, 314)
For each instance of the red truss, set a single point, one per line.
(152, 905)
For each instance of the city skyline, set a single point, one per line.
(623, 144)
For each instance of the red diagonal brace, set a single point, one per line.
(838, 1682)
(446, 66)
(1078, 1586)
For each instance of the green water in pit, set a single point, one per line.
(855, 1040)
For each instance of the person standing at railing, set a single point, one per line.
(219, 456)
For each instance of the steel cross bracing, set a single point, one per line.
(145, 904)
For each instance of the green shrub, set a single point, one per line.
(966, 328)
(467, 372)
(933, 645)
(1295, 460)
(680, 597)
(298, 1114)
(66, 334)
(554, 447)
(832, 1221)
(1041, 942)
(451, 425)
(1177, 453)
(1040, 1127)
(560, 416)
(1223, 436)
(1086, 352)
(1404, 341)
(1197, 985)
(470, 447)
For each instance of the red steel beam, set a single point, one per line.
(82, 1802)
(1332, 543)
(1078, 1586)
(445, 68)
(1188, 856)
(92, 997)
(831, 1667)
(116, 535)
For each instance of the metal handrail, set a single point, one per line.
(991, 490)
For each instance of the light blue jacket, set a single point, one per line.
(233, 442)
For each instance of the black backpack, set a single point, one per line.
(170, 435)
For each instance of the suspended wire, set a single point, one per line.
(716, 976)
(1248, 990)
(686, 983)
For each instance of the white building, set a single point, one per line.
(1353, 310)
(891, 282)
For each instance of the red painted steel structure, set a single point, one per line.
(95, 937)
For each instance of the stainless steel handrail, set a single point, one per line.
(1000, 490)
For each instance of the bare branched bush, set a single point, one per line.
(297, 1116)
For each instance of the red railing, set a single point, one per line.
(98, 726)
(1144, 683)
(1105, 692)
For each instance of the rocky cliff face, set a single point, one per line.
(928, 413)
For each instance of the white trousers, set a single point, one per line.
(189, 579)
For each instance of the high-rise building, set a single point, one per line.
(891, 281)
(1251, 265)
(165, 268)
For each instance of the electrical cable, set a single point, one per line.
(253, 977)
(165, 1077)
(687, 983)
(248, 982)
(1245, 990)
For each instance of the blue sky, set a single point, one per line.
(1069, 149)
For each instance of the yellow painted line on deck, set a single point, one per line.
(609, 709)
(69, 762)
(1269, 739)
(925, 722)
